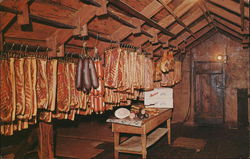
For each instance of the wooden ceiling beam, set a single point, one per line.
(176, 17)
(190, 21)
(228, 30)
(123, 6)
(232, 6)
(7, 18)
(242, 15)
(23, 18)
(183, 8)
(26, 41)
(121, 20)
(228, 24)
(92, 2)
(223, 13)
(60, 36)
(149, 11)
(198, 34)
(184, 36)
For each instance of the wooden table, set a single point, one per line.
(139, 144)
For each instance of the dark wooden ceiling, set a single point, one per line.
(63, 25)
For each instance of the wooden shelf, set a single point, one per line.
(134, 143)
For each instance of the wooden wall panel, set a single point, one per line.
(236, 75)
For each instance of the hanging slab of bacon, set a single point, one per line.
(7, 91)
(34, 81)
(29, 100)
(177, 72)
(111, 69)
(72, 74)
(99, 69)
(157, 73)
(52, 83)
(20, 93)
(167, 61)
(42, 89)
(149, 78)
(63, 87)
(45, 116)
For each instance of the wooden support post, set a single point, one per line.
(60, 52)
(1, 41)
(116, 143)
(169, 131)
(144, 146)
(24, 17)
(84, 30)
(45, 138)
(51, 43)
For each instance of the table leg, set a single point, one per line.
(169, 131)
(144, 146)
(116, 143)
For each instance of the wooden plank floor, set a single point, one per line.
(221, 144)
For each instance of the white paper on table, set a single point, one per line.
(159, 97)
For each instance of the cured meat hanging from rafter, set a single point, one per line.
(7, 91)
(52, 83)
(20, 92)
(42, 85)
(63, 87)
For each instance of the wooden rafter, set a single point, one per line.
(190, 21)
(223, 13)
(122, 32)
(176, 17)
(59, 37)
(121, 20)
(122, 5)
(7, 18)
(23, 18)
(199, 34)
(183, 8)
(242, 15)
(232, 7)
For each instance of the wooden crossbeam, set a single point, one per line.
(92, 2)
(199, 35)
(228, 30)
(223, 13)
(176, 17)
(242, 15)
(125, 7)
(60, 36)
(119, 19)
(232, 6)
(23, 18)
(7, 18)
(183, 8)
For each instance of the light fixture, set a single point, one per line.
(222, 58)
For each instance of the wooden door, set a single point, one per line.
(209, 93)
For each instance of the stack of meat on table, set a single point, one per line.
(34, 89)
